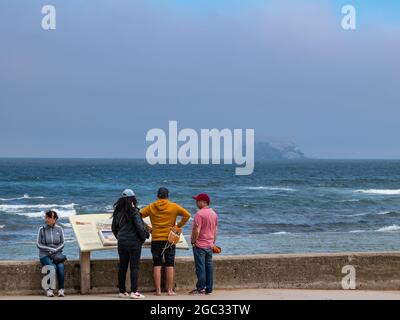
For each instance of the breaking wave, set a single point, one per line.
(25, 196)
(271, 188)
(379, 191)
(393, 227)
(62, 214)
(18, 207)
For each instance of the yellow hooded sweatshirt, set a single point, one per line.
(163, 214)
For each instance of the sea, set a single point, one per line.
(296, 206)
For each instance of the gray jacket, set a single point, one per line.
(50, 240)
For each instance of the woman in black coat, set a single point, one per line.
(131, 232)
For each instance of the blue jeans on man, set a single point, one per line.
(204, 269)
(59, 268)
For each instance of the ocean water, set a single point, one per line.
(283, 207)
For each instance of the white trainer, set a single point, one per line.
(61, 293)
(137, 295)
(50, 293)
(123, 295)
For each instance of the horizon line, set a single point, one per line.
(141, 158)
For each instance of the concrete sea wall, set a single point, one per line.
(373, 271)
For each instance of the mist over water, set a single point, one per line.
(284, 206)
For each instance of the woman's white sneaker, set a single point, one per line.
(61, 293)
(50, 293)
(123, 295)
(137, 295)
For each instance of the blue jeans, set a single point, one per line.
(204, 269)
(47, 261)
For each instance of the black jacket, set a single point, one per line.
(129, 227)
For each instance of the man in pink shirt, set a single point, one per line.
(204, 235)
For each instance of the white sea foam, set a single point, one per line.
(355, 215)
(351, 200)
(280, 232)
(367, 213)
(25, 196)
(62, 214)
(357, 231)
(384, 212)
(19, 207)
(379, 191)
(2, 226)
(393, 227)
(271, 188)
(66, 225)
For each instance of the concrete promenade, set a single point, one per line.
(378, 271)
(242, 294)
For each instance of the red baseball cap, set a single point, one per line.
(202, 196)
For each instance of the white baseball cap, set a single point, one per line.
(128, 193)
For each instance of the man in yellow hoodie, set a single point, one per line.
(163, 214)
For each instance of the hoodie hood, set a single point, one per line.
(161, 204)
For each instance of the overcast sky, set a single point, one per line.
(112, 70)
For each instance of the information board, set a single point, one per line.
(89, 227)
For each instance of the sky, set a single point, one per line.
(113, 70)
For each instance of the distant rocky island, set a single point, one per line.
(277, 151)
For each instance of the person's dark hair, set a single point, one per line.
(51, 214)
(163, 193)
(124, 204)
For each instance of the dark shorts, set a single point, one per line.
(169, 254)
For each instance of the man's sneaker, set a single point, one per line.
(197, 292)
(137, 295)
(50, 293)
(123, 295)
(61, 293)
